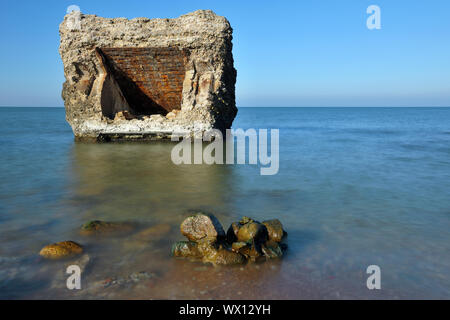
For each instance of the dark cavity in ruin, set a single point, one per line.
(142, 81)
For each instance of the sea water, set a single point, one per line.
(355, 187)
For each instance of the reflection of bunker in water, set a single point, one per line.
(139, 181)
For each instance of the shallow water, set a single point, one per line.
(356, 187)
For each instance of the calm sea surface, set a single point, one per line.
(356, 187)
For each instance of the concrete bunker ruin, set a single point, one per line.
(147, 78)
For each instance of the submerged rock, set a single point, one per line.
(142, 275)
(249, 250)
(155, 232)
(272, 249)
(186, 249)
(60, 250)
(147, 238)
(103, 227)
(132, 279)
(236, 246)
(207, 252)
(82, 262)
(225, 257)
(202, 227)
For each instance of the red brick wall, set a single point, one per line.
(151, 79)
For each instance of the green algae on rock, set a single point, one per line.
(186, 249)
(59, 250)
(103, 227)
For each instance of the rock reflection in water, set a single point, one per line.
(139, 181)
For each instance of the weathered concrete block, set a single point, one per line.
(141, 67)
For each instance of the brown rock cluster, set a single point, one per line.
(246, 240)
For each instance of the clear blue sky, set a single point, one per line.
(287, 53)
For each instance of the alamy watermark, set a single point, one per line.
(73, 282)
(374, 280)
(223, 151)
(374, 20)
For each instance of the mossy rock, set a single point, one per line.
(252, 231)
(225, 257)
(274, 229)
(272, 250)
(59, 250)
(97, 227)
(249, 250)
(202, 227)
(247, 230)
(186, 249)
(236, 246)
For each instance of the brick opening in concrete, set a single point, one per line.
(142, 81)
